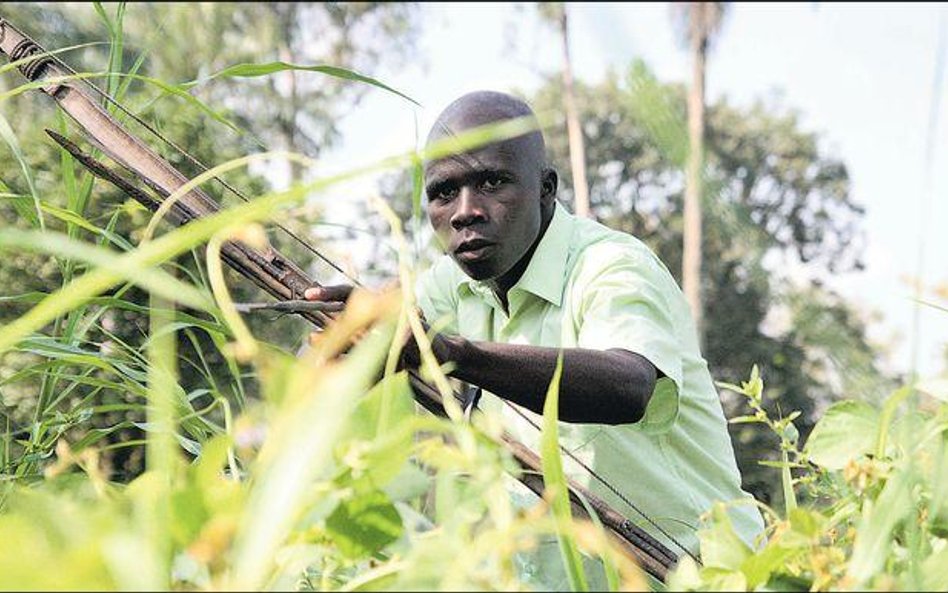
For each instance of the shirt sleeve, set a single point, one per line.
(628, 305)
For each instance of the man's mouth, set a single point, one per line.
(473, 249)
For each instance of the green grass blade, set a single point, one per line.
(34, 215)
(161, 446)
(256, 70)
(298, 450)
(181, 92)
(556, 485)
(43, 82)
(74, 220)
(151, 279)
(608, 564)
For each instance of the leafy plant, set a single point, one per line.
(875, 514)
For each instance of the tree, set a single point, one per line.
(556, 14)
(699, 22)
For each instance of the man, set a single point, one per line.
(523, 280)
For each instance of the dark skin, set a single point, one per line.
(489, 209)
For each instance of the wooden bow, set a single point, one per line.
(267, 268)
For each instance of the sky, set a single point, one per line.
(861, 76)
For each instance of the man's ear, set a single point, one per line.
(549, 181)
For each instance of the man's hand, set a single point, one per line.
(335, 297)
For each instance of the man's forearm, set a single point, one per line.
(603, 387)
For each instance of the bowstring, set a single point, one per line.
(604, 482)
(196, 162)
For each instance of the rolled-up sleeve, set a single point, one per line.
(626, 305)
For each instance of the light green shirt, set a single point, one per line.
(588, 286)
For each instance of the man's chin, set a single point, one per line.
(479, 270)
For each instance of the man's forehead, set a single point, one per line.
(499, 155)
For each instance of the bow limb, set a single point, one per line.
(129, 151)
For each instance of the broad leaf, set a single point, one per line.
(721, 547)
(365, 524)
(847, 431)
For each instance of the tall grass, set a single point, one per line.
(321, 482)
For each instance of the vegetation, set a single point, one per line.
(873, 516)
(149, 442)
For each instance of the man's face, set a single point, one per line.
(485, 207)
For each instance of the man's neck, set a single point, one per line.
(502, 284)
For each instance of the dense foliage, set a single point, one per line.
(873, 513)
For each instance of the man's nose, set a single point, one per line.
(469, 209)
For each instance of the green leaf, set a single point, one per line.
(33, 215)
(729, 386)
(892, 404)
(298, 451)
(686, 576)
(716, 579)
(875, 527)
(847, 431)
(721, 547)
(410, 483)
(934, 571)
(806, 522)
(75, 220)
(152, 279)
(362, 526)
(790, 433)
(786, 482)
(744, 420)
(181, 92)
(188, 513)
(387, 405)
(759, 568)
(379, 429)
(755, 386)
(255, 70)
(556, 484)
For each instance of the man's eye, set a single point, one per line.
(445, 193)
(492, 182)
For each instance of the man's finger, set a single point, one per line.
(340, 292)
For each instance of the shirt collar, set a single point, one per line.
(546, 272)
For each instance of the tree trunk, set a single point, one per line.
(577, 150)
(691, 252)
